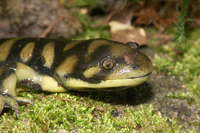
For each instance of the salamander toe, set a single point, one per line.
(10, 102)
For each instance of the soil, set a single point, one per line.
(19, 18)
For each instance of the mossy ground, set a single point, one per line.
(52, 115)
(183, 63)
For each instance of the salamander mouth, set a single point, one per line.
(146, 75)
(143, 76)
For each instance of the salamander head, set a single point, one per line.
(102, 65)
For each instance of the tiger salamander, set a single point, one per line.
(60, 65)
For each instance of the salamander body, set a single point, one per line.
(60, 65)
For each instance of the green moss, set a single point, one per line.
(85, 3)
(89, 32)
(51, 114)
(101, 32)
(162, 64)
(185, 65)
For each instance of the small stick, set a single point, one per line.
(50, 27)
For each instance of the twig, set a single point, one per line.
(50, 27)
(106, 20)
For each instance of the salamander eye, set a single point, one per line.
(107, 64)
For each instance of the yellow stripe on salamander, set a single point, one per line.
(77, 84)
(5, 48)
(67, 66)
(90, 72)
(47, 83)
(71, 45)
(93, 46)
(27, 52)
(48, 54)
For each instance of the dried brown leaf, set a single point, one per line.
(125, 33)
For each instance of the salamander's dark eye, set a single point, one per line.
(107, 64)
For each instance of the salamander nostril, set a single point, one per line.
(134, 66)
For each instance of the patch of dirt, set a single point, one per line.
(21, 18)
(169, 107)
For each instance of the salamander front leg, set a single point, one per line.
(9, 101)
(11, 74)
(19, 73)
(8, 81)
